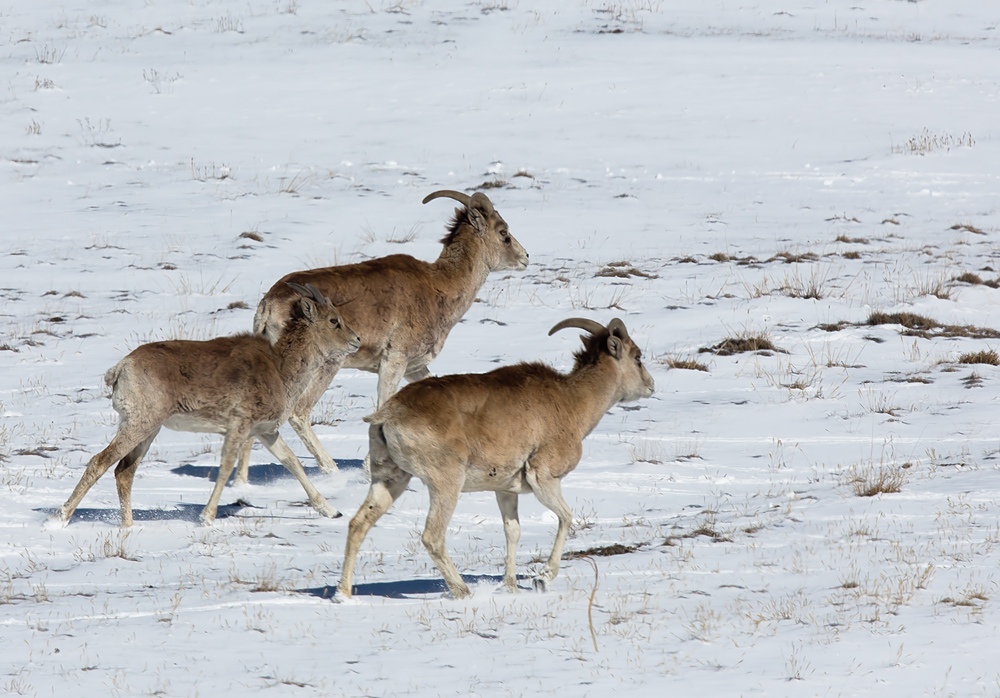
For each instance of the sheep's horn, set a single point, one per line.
(582, 323)
(481, 201)
(617, 327)
(458, 196)
(309, 291)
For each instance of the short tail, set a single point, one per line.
(114, 373)
(377, 417)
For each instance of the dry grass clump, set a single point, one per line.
(910, 321)
(927, 142)
(793, 258)
(622, 270)
(748, 342)
(968, 228)
(685, 363)
(870, 479)
(986, 356)
(719, 257)
(602, 551)
(927, 328)
(844, 238)
(974, 279)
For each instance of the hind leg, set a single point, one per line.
(388, 482)
(128, 437)
(125, 474)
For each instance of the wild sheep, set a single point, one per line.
(514, 430)
(241, 386)
(403, 307)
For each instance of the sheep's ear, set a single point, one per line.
(477, 219)
(615, 347)
(309, 310)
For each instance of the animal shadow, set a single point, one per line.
(183, 512)
(264, 473)
(406, 588)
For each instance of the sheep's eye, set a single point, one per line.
(335, 322)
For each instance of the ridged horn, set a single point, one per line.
(582, 323)
(458, 196)
(309, 291)
(482, 202)
(617, 327)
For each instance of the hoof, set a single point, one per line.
(540, 584)
(328, 467)
(207, 519)
(461, 592)
(57, 520)
(330, 512)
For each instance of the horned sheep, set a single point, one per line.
(241, 386)
(514, 430)
(402, 307)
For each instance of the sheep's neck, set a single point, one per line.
(297, 358)
(594, 389)
(462, 270)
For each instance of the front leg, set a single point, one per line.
(299, 419)
(279, 449)
(390, 373)
(512, 532)
(417, 374)
(230, 450)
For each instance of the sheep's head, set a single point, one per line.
(503, 251)
(333, 335)
(613, 341)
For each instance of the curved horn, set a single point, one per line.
(482, 202)
(309, 291)
(458, 196)
(617, 327)
(582, 323)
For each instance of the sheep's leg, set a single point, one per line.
(125, 474)
(417, 374)
(391, 369)
(230, 449)
(299, 418)
(243, 465)
(549, 492)
(279, 449)
(127, 438)
(442, 506)
(512, 532)
(383, 491)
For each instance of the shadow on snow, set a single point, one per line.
(183, 512)
(407, 588)
(262, 474)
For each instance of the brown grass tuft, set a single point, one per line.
(871, 479)
(682, 363)
(986, 356)
(737, 345)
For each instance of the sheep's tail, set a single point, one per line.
(115, 372)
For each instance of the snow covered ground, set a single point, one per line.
(704, 170)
